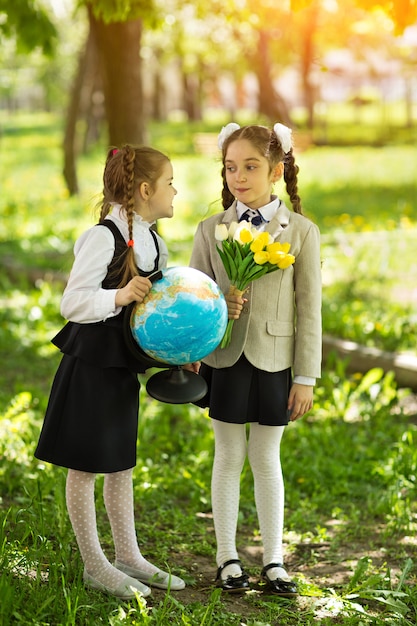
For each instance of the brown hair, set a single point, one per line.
(269, 146)
(125, 170)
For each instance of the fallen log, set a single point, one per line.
(362, 359)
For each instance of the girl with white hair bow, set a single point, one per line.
(265, 377)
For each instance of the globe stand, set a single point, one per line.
(176, 386)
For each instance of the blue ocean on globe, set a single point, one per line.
(182, 319)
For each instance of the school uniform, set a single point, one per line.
(278, 334)
(92, 416)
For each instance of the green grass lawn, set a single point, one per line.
(350, 466)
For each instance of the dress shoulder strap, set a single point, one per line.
(120, 251)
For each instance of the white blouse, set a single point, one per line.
(267, 211)
(84, 300)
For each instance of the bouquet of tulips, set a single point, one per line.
(248, 254)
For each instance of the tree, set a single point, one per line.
(322, 25)
(29, 24)
(113, 48)
(84, 83)
(403, 13)
(118, 51)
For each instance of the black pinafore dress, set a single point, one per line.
(91, 421)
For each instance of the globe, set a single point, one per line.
(182, 319)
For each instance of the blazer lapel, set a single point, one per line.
(230, 215)
(279, 222)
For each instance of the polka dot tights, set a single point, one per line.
(118, 499)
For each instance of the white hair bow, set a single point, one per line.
(225, 132)
(284, 135)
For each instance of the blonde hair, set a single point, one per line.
(125, 170)
(269, 146)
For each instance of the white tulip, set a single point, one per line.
(232, 229)
(221, 233)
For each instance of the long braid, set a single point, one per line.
(107, 194)
(129, 266)
(291, 182)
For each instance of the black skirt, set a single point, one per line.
(242, 393)
(91, 420)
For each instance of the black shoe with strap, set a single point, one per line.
(233, 584)
(279, 586)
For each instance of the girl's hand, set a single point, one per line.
(234, 305)
(300, 401)
(135, 291)
(192, 367)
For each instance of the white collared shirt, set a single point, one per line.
(267, 212)
(84, 300)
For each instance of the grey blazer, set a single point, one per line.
(280, 325)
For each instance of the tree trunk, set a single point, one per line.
(307, 57)
(70, 138)
(118, 46)
(192, 96)
(92, 103)
(270, 102)
(158, 112)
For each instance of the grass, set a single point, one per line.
(350, 474)
(350, 467)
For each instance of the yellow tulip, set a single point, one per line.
(279, 247)
(275, 256)
(261, 257)
(244, 236)
(259, 242)
(288, 260)
(256, 245)
(285, 247)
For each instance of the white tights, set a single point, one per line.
(118, 500)
(263, 450)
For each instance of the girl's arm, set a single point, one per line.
(300, 401)
(135, 291)
(307, 360)
(307, 282)
(84, 300)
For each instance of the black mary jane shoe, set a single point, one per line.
(232, 584)
(280, 587)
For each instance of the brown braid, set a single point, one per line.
(291, 182)
(125, 170)
(129, 265)
(268, 145)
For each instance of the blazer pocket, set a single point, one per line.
(279, 329)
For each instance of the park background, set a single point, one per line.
(78, 77)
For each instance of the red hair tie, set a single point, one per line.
(115, 151)
(130, 243)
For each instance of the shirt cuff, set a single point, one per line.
(105, 305)
(305, 380)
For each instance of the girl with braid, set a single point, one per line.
(265, 377)
(91, 420)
